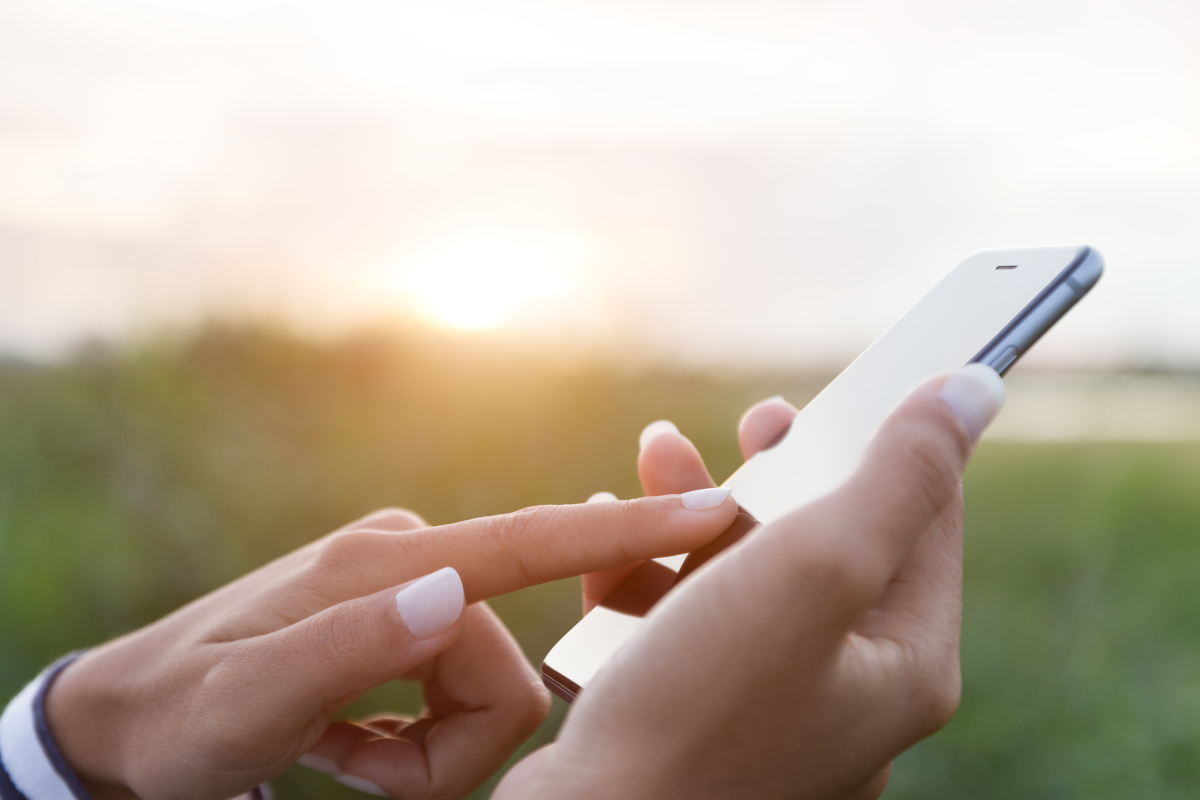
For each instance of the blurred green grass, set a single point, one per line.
(133, 480)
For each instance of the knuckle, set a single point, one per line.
(235, 677)
(941, 703)
(851, 581)
(511, 534)
(938, 692)
(539, 707)
(533, 705)
(342, 549)
(226, 676)
(524, 701)
(843, 575)
(614, 525)
(538, 517)
(344, 635)
(504, 533)
(507, 528)
(339, 565)
(392, 519)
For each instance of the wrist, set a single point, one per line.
(85, 718)
(547, 775)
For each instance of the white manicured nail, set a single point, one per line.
(703, 499)
(655, 429)
(602, 497)
(319, 763)
(976, 393)
(430, 605)
(361, 784)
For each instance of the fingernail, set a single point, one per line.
(703, 499)
(602, 497)
(361, 784)
(319, 763)
(976, 393)
(430, 606)
(655, 429)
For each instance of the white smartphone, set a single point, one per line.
(989, 309)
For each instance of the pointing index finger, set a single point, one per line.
(500, 554)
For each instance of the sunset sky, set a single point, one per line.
(705, 182)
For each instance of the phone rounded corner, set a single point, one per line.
(1087, 271)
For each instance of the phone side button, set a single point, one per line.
(1003, 361)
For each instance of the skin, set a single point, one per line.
(823, 645)
(230, 690)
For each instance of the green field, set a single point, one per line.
(134, 480)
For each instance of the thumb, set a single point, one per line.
(368, 641)
(841, 552)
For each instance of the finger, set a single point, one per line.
(668, 462)
(923, 603)
(842, 552)
(874, 787)
(340, 739)
(484, 701)
(360, 643)
(392, 725)
(597, 585)
(764, 424)
(501, 554)
(245, 591)
(517, 782)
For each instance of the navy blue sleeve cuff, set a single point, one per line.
(31, 765)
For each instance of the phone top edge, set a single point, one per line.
(560, 684)
(1059, 296)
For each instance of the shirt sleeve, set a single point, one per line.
(31, 765)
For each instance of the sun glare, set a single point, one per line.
(486, 279)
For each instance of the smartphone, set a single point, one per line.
(989, 309)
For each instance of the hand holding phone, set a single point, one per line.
(804, 659)
(990, 309)
(810, 654)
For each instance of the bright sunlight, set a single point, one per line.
(485, 279)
